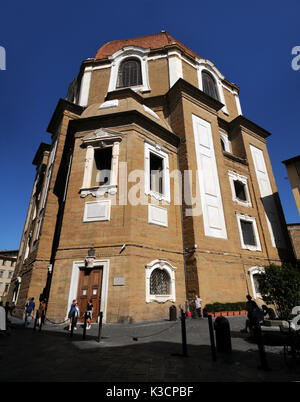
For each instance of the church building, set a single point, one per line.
(153, 188)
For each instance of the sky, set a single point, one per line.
(45, 43)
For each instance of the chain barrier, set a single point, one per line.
(57, 323)
(155, 333)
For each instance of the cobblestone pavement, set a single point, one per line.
(144, 352)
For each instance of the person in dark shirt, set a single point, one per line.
(269, 313)
(251, 307)
(30, 306)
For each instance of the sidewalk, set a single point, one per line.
(144, 352)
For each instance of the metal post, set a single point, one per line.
(84, 326)
(100, 326)
(212, 338)
(261, 349)
(183, 334)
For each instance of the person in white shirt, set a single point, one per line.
(198, 305)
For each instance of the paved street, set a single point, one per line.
(145, 352)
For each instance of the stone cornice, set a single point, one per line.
(62, 106)
(182, 86)
(40, 152)
(252, 128)
(121, 119)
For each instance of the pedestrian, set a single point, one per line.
(72, 313)
(269, 313)
(42, 312)
(198, 304)
(30, 306)
(251, 306)
(89, 313)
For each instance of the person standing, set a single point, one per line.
(42, 312)
(72, 313)
(198, 305)
(250, 307)
(89, 314)
(30, 306)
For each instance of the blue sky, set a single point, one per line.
(45, 42)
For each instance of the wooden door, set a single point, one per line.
(89, 288)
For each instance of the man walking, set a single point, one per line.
(30, 306)
(198, 304)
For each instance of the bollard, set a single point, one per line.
(84, 326)
(36, 319)
(183, 334)
(212, 338)
(72, 324)
(223, 336)
(100, 326)
(261, 349)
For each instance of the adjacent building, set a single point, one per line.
(153, 188)
(8, 260)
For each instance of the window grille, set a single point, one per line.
(130, 74)
(209, 85)
(159, 282)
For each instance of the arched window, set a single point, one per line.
(209, 85)
(129, 74)
(159, 282)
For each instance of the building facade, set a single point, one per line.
(293, 170)
(8, 259)
(154, 188)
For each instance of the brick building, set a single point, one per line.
(154, 188)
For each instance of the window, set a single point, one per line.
(101, 163)
(129, 68)
(210, 81)
(225, 142)
(157, 180)
(6, 288)
(1, 274)
(129, 74)
(248, 233)
(10, 274)
(160, 281)
(209, 85)
(156, 170)
(102, 167)
(254, 273)
(239, 189)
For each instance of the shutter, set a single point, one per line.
(267, 198)
(211, 200)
